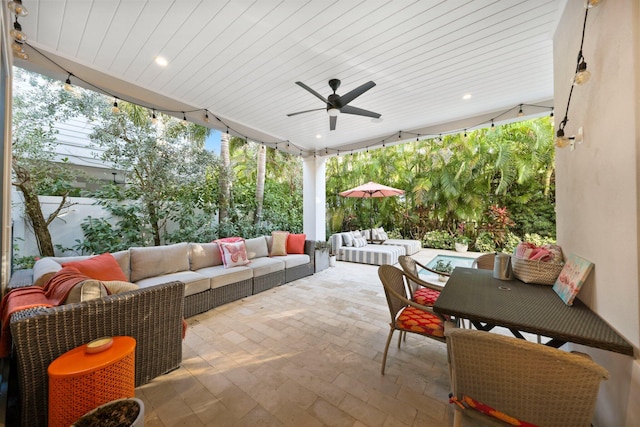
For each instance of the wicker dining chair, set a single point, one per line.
(422, 292)
(484, 261)
(406, 315)
(523, 380)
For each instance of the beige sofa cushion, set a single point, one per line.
(85, 291)
(221, 276)
(294, 260)
(266, 265)
(158, 260)
(194, 283)
(257, 247)
(203, 255)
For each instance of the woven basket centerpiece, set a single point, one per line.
(539, 272)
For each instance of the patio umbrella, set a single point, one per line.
(371, 189)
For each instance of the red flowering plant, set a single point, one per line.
(498, 224)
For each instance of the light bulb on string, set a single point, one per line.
(115, 109)
(206, 116)
(582, 74)
(17, 8)
(67, 84)
(17, 33)
(520, 112)
(184, 118)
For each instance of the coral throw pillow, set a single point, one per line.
(233, 254)
(295, 243)
(279, 243)
(101, 267)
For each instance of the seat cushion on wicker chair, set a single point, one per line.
(265, 265)
(471, 403)
(420, 321)
(426, 296)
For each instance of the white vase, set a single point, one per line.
(332, 261)
(442, 278)
(461, 247)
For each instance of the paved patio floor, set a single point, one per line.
(304, 354)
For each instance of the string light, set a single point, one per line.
(399, 135)
(67, 84)
(17, 8)
(184, 118)
(520, 112)
(206, 116)
(115, 109)
(581, 76)
(154, 120)
(17, 33)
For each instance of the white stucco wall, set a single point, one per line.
(597, 183)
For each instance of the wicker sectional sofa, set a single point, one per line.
(175, 281)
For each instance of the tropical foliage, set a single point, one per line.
(496, 181)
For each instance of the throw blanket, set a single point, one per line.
(53, 293)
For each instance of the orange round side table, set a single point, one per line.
(88, 376)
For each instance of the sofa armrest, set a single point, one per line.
(153, 316)
(309, 249)
(20, 279)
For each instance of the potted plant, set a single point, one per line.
(443, 267)
(461, 243)
(321, 255)
(460, 240)
(126, 412)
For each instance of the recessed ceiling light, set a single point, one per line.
(161, 61)
(466, 96)
(318, 136)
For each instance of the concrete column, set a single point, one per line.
(314, 198)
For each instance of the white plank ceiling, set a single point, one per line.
(240, 59)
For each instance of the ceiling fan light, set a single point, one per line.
(333, 112)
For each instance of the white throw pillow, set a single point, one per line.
(347, 239)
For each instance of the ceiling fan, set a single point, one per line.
(337, 104)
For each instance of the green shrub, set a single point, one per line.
(437, 239)
(539, 240)
(485, 243)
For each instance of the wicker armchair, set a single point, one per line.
(153, 316)
(484, 261)
(528, 381)
(422, 292)
(406, 315)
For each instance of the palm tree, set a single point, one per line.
(262, 165)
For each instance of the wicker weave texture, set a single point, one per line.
(153, 316)
(197, 303)
(541, 273)
(528, 381)
(268, 281)
(295, 273)
(229, 293)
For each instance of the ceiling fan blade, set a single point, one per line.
(332, 122)
(306, 111)
(304, 86)
(350, 96)
(347, 109)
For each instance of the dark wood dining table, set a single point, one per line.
(474, 294)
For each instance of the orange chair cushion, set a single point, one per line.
(470, 403)
(101, 267)
(426, 296)
(416, 320)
